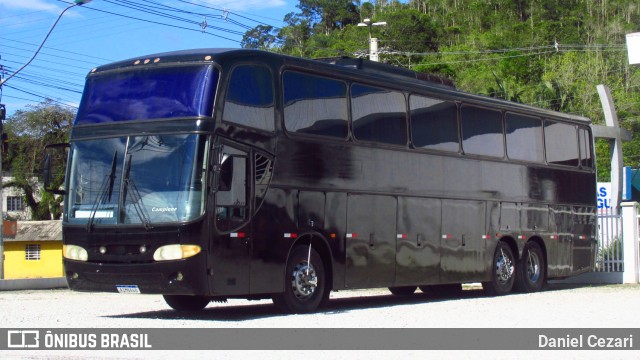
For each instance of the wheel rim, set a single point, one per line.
(504, 268)
(305, 280)
(533, 267)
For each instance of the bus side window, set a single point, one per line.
(561, 144)
(378, 115)
(482, 131)
(232, 195)
(249, 100)
(586, 158)
(226, 175)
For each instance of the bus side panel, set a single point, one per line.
(336, 223)
(583, 239)
(463, 246)
(371, 241)
(311, 211)
(418, 241)
(561, 223)
(270, 248)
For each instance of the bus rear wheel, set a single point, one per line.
(502, 272)
(304, 282)
(403, 290)
(186, 302)
(530, 274)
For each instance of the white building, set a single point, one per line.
(13, 204)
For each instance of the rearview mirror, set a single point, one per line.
(54, 167)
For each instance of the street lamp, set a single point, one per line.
(2, 82)
(373, 42)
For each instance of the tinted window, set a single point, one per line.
(524, 138)
(315, 105)
(250, 97)
(378, 115)
(561, 143)
(481, 131)
(434, 124)
(148, 93)
(586, 158)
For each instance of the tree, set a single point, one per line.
(261, 37)
(29, 131)
(329, 14)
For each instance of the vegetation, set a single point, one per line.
(29, 131)
(546, 53)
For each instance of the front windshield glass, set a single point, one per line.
(137, 179)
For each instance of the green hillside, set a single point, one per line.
(547, 53)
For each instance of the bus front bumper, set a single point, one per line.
(179, 277)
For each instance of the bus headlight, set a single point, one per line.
(175, 252)
(75, 252)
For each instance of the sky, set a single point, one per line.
(104, 31)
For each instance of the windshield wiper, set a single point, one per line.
(106, 190)
(136, 200)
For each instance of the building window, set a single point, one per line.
(14, 203)
(32, 252)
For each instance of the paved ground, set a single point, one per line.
(561, 306)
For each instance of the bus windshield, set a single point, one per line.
(137, 179)
(148, 93)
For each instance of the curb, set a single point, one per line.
(33, 284)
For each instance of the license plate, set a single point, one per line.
(128, 289)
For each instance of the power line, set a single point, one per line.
(55, 49)
(40, 96)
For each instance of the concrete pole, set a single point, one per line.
(630, 243)
(373, 49)
(611, 119)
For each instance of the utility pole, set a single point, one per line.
(373, 42)
(3, 114)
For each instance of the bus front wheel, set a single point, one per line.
(186, 302)
(304, 282)
(503, 271)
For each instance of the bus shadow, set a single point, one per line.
(221, 312)
(230, 312)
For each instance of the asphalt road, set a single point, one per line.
(561, 306)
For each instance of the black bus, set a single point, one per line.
(213, 174)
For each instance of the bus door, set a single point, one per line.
(370, 241)
(462, 256)
(231, 242)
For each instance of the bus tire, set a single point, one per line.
(186, 302)
(530, 273)
(403, 290)
(304, 283)
(503, 268)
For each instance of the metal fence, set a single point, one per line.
(609, 256)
